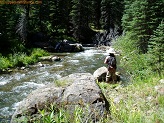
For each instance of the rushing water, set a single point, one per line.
(15, 86)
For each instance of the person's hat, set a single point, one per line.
(111, 50)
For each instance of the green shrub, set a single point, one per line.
(19, 59)
(29, 60)
(4, 63)
(37, 52)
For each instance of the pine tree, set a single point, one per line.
(21, 27)
(111, 13)
(156, 49)
(96, 13)
(141, 17)
(8, 21)
(80, 18)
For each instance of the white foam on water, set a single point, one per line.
(5, 80)
(86, 53)
(5, 111)
(74, 61)
(3, 83)
(33, 84)
(90, 53)
(15, 105)
(8, 79)
(18, 76)
(58, 65)
(41, 74)
(58, 76)
(27, 85)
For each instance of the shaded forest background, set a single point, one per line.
(80, 20)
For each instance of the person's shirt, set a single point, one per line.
(107, 59)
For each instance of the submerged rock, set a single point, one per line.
(81, 90)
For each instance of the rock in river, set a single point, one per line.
(80, 90)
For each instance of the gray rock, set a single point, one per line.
(38, 100)
(159, 89)
(81, 90)
(161, 81)
(100, 73)
(55, 58)
(46, 58)
(50, 58)
(68, 46)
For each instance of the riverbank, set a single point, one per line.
(20, 59)
(139, 102)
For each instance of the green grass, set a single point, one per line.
(139, 101)
(19, 59)
(136, 103)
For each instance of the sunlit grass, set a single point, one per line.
(19, 59)
(60, 83)
(137, 102)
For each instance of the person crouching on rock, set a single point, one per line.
(110, 60)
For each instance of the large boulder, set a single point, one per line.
(100, 73)
(80, 90)
(67, 46)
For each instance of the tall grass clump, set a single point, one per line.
(37, 52)
(18, 59)
(4, 62)
(58, 114)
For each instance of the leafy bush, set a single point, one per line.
(17, 59)
(21, 58)
(36, 53)
(4, 63)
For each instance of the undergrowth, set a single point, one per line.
(138, 102)
(19, 59)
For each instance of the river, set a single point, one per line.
(15, 86)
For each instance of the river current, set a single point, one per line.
(15, 86)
